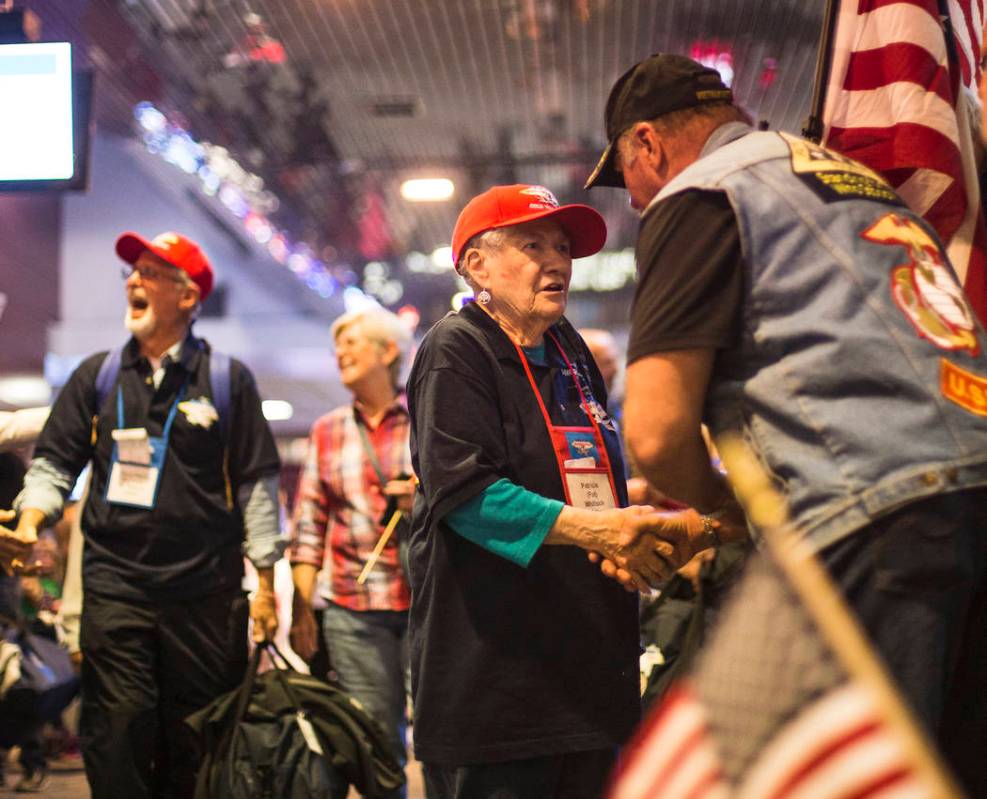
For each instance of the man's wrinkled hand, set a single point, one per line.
(16, 546)
(304, 632)
(640, 559)
(264, 615)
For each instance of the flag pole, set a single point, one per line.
(766, 510)
(813, 128)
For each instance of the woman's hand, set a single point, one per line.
(638, 544)
(676, 535)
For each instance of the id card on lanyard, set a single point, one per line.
(138, 459)
(584, 465)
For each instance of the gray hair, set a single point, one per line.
(487, 240)
(382, 326)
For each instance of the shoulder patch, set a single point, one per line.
(834, 177)
(966, 389)
(923, 287)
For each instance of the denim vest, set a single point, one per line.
(860, 376)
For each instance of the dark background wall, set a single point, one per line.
(30, 227)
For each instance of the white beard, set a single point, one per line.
(141, 328)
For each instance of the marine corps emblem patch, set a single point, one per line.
(924, 288)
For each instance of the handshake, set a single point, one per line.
(640, 546)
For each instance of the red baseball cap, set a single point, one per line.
(502, 206)
(177, 250)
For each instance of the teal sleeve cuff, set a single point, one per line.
(507, 520)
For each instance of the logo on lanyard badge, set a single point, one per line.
(582, 445)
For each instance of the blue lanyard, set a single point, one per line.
(171, 414)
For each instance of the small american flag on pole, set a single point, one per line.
(786, 701)
(900, 98)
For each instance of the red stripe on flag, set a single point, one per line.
(677, 694)
(897, 146)
(899, 61)
(684, 747)
(946, 214)
(881, 782)
(848, 738)
(931, 6)
(710, 781)
(975, 283)
(969, 70)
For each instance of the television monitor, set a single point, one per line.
(44, 118)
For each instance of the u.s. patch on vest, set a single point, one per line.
(834, 177)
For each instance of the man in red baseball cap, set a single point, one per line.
(184, 483)
(168, 278)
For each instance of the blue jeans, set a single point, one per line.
(369, 651)
(917, 580)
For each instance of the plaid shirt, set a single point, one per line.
(335, 523)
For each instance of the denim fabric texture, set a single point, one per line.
(834, 386)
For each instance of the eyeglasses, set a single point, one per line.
(152, 273)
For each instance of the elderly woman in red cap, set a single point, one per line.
(524, 656)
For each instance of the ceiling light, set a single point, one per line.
(277, 410)
(427, 190)
(442, 258)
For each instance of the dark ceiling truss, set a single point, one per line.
(371, 92)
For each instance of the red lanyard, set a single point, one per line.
(561, 447)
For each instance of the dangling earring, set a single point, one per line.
(483, 297)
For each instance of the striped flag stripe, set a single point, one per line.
(804, 770)
(874, 762)
(975, 276)
(897, 104)
(827, 732)
(931, 7)
(906, 61)
(885, 26)
(921, 189)
(913, 106)
(960, 12)
(900, 776)
(884, 144)
(672, 755)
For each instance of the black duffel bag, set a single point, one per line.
(287, 735)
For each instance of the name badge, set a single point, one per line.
(135, 468)
(590, 489)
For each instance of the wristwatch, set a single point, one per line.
(710, 534)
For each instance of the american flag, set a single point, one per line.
(770, 712)
(900, 100)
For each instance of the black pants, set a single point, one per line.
(917, 580)
(574, 775)
(145, 668)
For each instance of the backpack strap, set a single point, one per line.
(107, 376)
(220, 365)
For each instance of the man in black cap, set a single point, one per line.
(786, 294)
